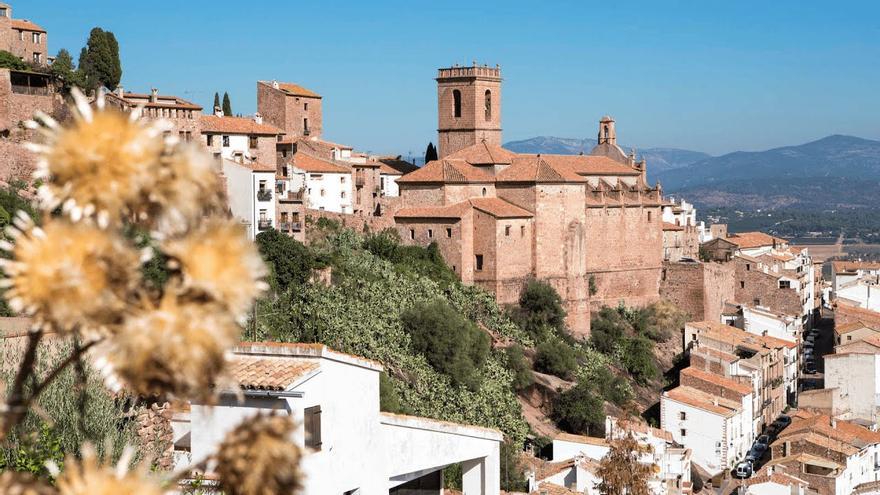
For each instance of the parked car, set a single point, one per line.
(763, 440)
(810, 368)
(783, 420)
(743, 470)
(756, 452)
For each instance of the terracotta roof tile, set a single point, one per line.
(268, 373)
(483, 153)
(499, 208)
(448, 172)
(591, 165)
(701, 400)
(568, 437)
(26, 25)
(236, 125)
(396, 166)
(294, 89)
(718, 380)
(455, 211)
(852, 266)
(746, 240)
(314, 165)
(537, 169)
(553, 489)
(672, 227)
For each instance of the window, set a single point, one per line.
(448, 232)
(412, 234)
(342, 179)
(742, 284)
(522, 230)
(21, 36)
(3, 12)
(479, 260)
(262, 185)
(849, 337)
(488, 105)
(342, 195)
(312, 426)
(36, 38)
(252, 141)
(484, 192)
(507, 230)
(262, 215)
(649, 216)
(748, 267)
(785, 284)
(456, 103)
(225, 141)
(684, 432)
(682, 415)
(322, 193)
(318, 176)
(430, 233)
(305, 126)
(38, 57)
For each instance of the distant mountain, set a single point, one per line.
(836, 171)
(659, 159)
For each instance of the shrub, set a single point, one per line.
(614, 389)
(389, 400)
(556, 358)
(639, 359)
(540, 307)
(10, 61)
(519, 367)
(580, 410)
(452, 344)
(290, 261)
(607, 330)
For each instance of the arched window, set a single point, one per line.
(484, 191)
(488, 105)
(606, 131)
(456, 103)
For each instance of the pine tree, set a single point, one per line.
(216, 102)
(99, 61)
(227, 105)
(430, 153)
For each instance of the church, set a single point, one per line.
(589, 225)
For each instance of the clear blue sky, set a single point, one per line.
(708, 75)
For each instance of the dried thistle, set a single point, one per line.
(19, 483)
(258, 457)
(90, 477)
(188, 187)
(219, 262)
(69, 274)
(101, 165)
(174, 350)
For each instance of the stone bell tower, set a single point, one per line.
(468, 107)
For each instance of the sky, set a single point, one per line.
(707, 75)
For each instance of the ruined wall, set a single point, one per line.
(624, 254)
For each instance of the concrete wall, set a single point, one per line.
(857, 377)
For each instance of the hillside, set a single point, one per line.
(832, 172)
(659, 159)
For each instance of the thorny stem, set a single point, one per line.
(18, 406)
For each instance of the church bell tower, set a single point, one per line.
(468, 107)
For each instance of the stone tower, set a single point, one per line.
(468, 107)
(607, 134)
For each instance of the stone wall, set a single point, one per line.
(16, 108)
(753, 286)
(155, 432)
(700, 289)
(287, 112)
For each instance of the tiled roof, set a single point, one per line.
(704, 401)
(396, 166)
(483, 153)
(162, 101)
(537, 169)
(591, 165)
(236, 125)
(448, 172)
(819, 440)
(852, 266)
(780, 478)
(840, 430)
(268, 373)
(568, 437)
(719, 380)
(866, 488)
(455, 211)
(314, 165)
(850, 327)
(672, 227)
(26, 25)
(746, 240)
(736, 336)
(499, 208)
(307, 350)
(724, 356)
(553, 489)
(297, 90)
(255, 166)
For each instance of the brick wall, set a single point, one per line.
(472, 126)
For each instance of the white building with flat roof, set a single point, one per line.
(350, 446)
(249, 192)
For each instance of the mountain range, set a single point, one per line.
(833, 172)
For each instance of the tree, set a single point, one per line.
(227, 105)
(540, 307)
(620, 470)
(99, 61)
(451, 343)
(216, 102)
(430, 153)
(289, 260)
(389, 400)
(63, 70)
(556, 358)
(10, 61)
(639, 359)
(580, 410)
(519, 366)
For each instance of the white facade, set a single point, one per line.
(717, 436)
(388, 184)
(682, 213)
(856, 376)
(323, 191)
(761, 321)
(361, 450)
(250, 196)
(863, 292)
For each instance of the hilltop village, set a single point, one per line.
(775, 384)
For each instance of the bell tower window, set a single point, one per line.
(456, 103)
(488, 105)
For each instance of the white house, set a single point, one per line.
(856, 376)
(680, 214)
(350, 446)
(325, 184)
(249, 191)
(844, 272)
(762, 321)
(773, 480)
(392, 168)
(717, 430)
(242, 139)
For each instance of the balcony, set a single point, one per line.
(295, 226)
(292, 197)
(359, 181)
(284, 226)
(264, 195)
(264, 224)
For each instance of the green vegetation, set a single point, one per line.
(580, 410)
(216, 102)
(540, 311)
(451, 343)
(99, 61)
(10, 61)
(430, 153)
(290, 261)
(64, 71)
(556, 357)
(519, 366)
(227, 105)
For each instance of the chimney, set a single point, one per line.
(120, 92)
(274, 84)
(218, 112)
(154, 95)
(258, 118)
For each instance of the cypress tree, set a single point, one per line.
(63, 69)
(216, 102)
(227, 105)
(430, 153)
(99, 61)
